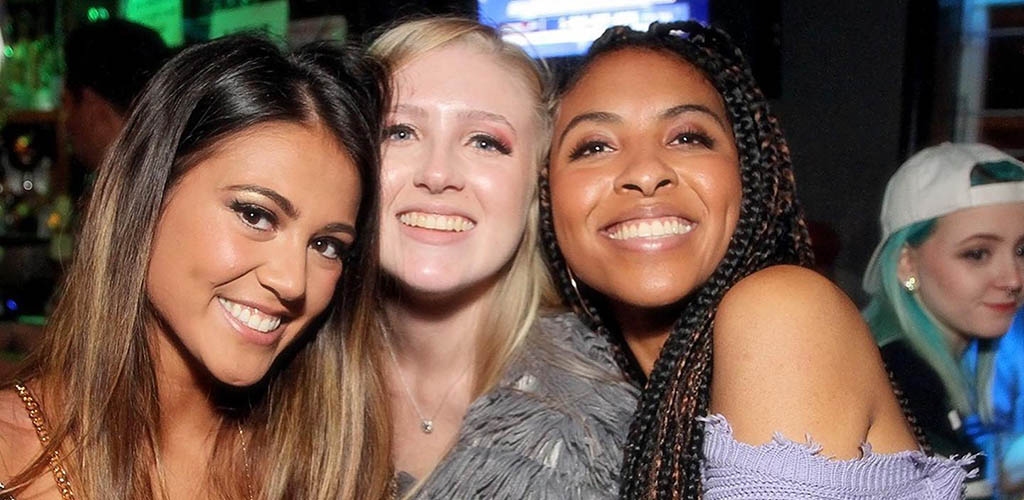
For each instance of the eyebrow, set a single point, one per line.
(692, 108)
(340, 227)
(476, 114)
(983, 236)
(593, 116)
(281, 201)
(674, 111)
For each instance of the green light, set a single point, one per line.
(9, 51)
(97, 13)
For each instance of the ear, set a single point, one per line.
(907, 266)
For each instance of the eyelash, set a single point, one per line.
(341, 249)
(244, 209)
(588, 149)
(694, 137)
(391, 130)
(975, 254)
(494, 144)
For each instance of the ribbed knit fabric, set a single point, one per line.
(783, 469)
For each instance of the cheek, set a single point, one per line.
(506, 194)
(573, 196)
(321, 287)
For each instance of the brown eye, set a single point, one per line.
(329, 248)
(254, 216)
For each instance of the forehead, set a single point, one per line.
(458, 75)
(303, 162)
(1005, 220)
(641, 81)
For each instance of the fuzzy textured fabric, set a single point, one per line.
(553, 429)
(783, 469)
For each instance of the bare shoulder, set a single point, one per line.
(792, 355)
(18, 441)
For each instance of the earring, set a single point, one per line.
(911, 284)
(575, 288)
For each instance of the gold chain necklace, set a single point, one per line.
(36, 416)
(60, 474)
(245, 458)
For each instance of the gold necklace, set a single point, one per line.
(60, 474)
(245, 458)
(35, 414)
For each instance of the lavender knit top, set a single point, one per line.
(783, 469)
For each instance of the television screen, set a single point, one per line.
(566, 28)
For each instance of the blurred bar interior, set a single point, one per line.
(859, 86)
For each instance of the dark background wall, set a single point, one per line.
(842, 67)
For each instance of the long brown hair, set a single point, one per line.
(663, 457)
(95, 365)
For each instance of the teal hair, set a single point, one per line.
(895, 314)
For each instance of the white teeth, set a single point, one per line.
(437, 222)
(253, 318)
(656, 228)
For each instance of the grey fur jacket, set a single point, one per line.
(554, 428)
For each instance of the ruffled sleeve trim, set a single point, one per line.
(781, 462)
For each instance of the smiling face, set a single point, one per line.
(970, 269)
(248, 247)
(458, 170)
(645, 186)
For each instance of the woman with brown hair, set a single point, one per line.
(670, 219)
(227, 248)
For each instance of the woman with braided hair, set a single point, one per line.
(671, 225)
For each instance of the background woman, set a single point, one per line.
(672, 223)
(945, 284)
(534, 408)
(215, 239)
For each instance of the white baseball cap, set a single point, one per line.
(940, 180)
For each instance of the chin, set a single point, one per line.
(239, 376)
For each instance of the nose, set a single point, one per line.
(284, 272)
(645, 173)
(1009, 276)
(439, 172)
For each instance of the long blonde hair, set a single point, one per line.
(518, 293)
(95, 368)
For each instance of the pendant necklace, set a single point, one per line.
(426, 423)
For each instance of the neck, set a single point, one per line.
(433, 334)
(188, 415)
(645, 330)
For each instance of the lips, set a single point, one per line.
(1005, 307)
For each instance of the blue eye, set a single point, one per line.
(399, 132)
(254, 216)
(490, 143)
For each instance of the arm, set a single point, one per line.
(793, 356)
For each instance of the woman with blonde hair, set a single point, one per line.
(227, 247)
(487, 399)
